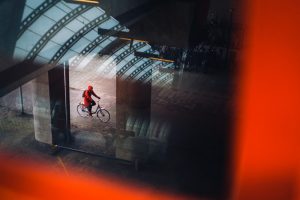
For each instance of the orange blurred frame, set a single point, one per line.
(266, 151)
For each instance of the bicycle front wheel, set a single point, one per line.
(82, 111)
(103, 115)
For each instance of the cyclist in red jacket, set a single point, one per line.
(88, 101)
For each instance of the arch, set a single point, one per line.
(35, 14)
(123, 55)
(55, 29)
(134, 69)
(149, 72)
(78, 60)
(72, 40)
(131, 63)
(139, 69)
(92, 45)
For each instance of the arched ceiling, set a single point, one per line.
(54, 31)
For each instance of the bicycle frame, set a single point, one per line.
(104, 115)
(98, 108)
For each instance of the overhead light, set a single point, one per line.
(94, 2)
(129, 39)
(152, 57)
(161, 59)
(121, 34)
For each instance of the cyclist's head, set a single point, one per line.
(90, 87)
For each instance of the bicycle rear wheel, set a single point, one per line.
(103, 115)
(82, 111)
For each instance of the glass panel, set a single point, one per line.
(145, 71)
(82, 20)
(62, 6)
(89, 57)
(101, 67)
(106, 42)
(129, 71)
(34, 3)
(114, 20)
(121, 64)
(55, 13)
(26, 12)
(171, 65)
(28, 40)
(62, 36)
(71, 5)
(143, 49)
(75, 25)
(163, 75)
(130, 57)
(40, 59)
(80, 45)
(101, 10)
(120, 51)
(96, 50)
(155, 63)
(49, 50)
(92, 14)
(68, 55)
(149, 78)
(71, 60)
(91, 35)
(20, 53)
(109, 23)
(42, 25)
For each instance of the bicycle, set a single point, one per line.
(102, 113)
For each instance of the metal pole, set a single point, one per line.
(183, 62)
(21, 94)
(67, 100)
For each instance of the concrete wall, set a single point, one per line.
(13, 99)
(41, 109)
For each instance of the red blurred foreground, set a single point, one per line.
(21, 181)
(268, 127)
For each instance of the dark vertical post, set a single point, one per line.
(133, 104)
(121, 103)
(21, 95)
(67, 100)
(59, 104)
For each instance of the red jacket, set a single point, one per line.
(87, 99)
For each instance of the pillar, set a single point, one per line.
(133, 104)
(51, 107)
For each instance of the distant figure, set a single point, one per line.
(87, 99)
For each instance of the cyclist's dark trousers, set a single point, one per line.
(90, 106)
